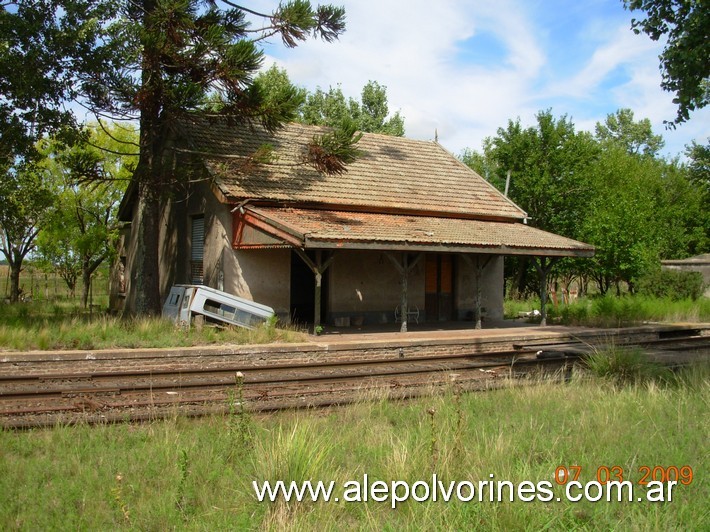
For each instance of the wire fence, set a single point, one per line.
(39, 285)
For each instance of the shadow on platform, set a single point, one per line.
(413, 327)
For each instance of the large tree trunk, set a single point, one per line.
(86, 286)
(147, 281)
(15, 268)
(544, 265)
(520, 283)
(149, 175)
(70, 281)
(87, 270)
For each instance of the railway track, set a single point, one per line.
(96, 391)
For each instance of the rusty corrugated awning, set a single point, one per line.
(323, 229)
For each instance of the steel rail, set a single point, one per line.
(43, 396)
(384, 368)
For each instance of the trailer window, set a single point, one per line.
(221, 309)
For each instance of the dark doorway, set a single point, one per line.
(439, 287)
(303, 285)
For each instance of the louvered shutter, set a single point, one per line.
(197, 253)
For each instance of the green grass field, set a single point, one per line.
(196, 474)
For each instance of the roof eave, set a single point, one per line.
(432, 247)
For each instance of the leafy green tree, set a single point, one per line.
(699, 166)
(55, 249)
(276, 87)
(370, 115)
(80, 230)
(150, 60)
(672, 284)
(547, 164)
(636, 137)
(685, 25)
(611, 190)
(682, 211)
(678, 202)
(699, 176)
(641, 209)
(374, 112)
(24, 200)
(47, 47)
(325, 108)
(622, 218)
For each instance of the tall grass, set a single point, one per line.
(68, 477)
(627, 366)
(42, 326)
(64, 325)
(612, 311)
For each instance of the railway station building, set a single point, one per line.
(406, 233)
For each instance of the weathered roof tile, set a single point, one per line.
(325, 228)
(393, 173)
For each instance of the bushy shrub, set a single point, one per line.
(672, 284)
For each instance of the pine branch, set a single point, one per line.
(331, 152)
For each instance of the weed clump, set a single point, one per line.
(240, 424)
(626, 366)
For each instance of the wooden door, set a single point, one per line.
(439, 287)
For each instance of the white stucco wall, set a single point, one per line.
(258, 275)
(367, 283)
(263, 276)
(492, 288)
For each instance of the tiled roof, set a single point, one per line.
(323, 228)
(393, 173)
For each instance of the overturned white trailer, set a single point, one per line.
(184, 300)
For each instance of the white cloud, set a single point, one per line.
(418, 49)
(622, 49)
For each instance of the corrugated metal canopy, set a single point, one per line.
(320, 229)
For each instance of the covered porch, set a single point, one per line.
(376, 271)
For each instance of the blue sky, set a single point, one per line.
(463, 68)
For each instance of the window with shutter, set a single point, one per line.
(197, 252)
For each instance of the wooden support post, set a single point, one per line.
(318, 268)
(404, 268)
(316, 302)
(404, 303)
(543, 268)
(478, 264)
